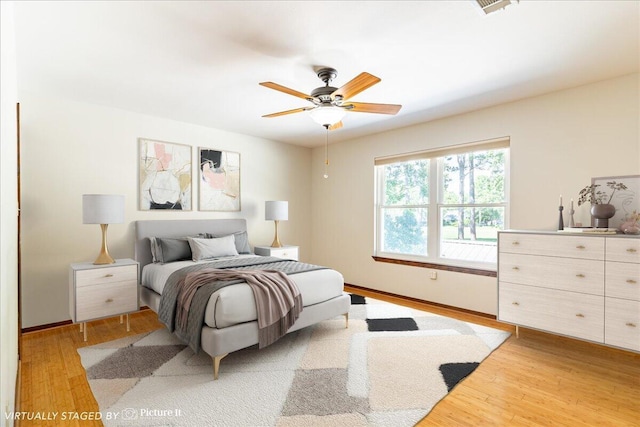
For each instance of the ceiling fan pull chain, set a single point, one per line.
(326, 154)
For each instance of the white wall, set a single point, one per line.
(70, 149)
(8, 217)
(558, 142)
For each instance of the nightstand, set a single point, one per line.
(99, 291)
(288, 252)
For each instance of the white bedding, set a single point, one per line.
(235, 303)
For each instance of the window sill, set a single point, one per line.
(457, 269)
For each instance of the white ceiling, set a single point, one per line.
(200, 62)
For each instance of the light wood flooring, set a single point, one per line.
(536, 380)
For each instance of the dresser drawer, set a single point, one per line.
(623, 250)
(579, 275)
(551, 245)
(562, 312)
(104, 300)
(622, 280)
(106, 275)
(622, 323)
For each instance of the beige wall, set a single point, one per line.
(70, 149)
(558, 142)
(8, 217)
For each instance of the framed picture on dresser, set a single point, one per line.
(626, 202)
(218, 180)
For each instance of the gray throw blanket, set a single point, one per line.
(278, 299)
(195, 318)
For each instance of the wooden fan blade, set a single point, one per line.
(336, 126)
(355, 86)
(276, 86)
(283, 113)
(365, 107)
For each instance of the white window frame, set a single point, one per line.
(436, 191)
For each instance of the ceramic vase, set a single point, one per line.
(601, 214)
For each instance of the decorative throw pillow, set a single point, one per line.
(241, 238)
(154, 249)
(212, 248)
(172, 249)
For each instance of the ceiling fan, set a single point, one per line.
(330, 104)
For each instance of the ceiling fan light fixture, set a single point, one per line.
(327, 116)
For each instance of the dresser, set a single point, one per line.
(582, 286)
(288, 252)
(99, 291)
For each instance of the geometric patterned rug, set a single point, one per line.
(389, 368)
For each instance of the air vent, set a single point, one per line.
(488, 6)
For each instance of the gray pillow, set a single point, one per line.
(212, 248)
(242, 241)
(154, 249)
(172, 249)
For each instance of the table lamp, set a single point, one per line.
(103, 209)
(276, 211)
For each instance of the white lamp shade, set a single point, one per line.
(327, 115)
(276, 210)
(102, 209)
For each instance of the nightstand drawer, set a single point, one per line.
(104, 300)
(286, 252)
(289, 253)
(106, 275)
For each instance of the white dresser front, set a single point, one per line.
(583, 286)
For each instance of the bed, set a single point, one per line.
(230, 319)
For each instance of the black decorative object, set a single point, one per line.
(560, 220)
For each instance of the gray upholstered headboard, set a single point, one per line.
(180, 228)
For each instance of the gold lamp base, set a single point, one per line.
(104, 257)
(276, 240)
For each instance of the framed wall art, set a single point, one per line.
(626, 201)
(165, 176)
(219, 180)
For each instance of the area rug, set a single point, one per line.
(388, 368)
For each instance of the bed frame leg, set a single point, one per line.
(216, 365)
(346, 320)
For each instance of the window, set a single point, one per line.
(444, 206)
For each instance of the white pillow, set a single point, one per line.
(212, 248)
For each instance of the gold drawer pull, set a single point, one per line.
(108, 275)
(580, 275)
(631, 250)
(109, 300)
(580, 247)
(579, 315)
(515, 243)
(633, 325)
(515, 303)
(631, 281)
(515, 268)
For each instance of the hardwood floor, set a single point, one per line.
(53, 379)
(536, 380)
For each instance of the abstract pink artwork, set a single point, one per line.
(219, 180)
